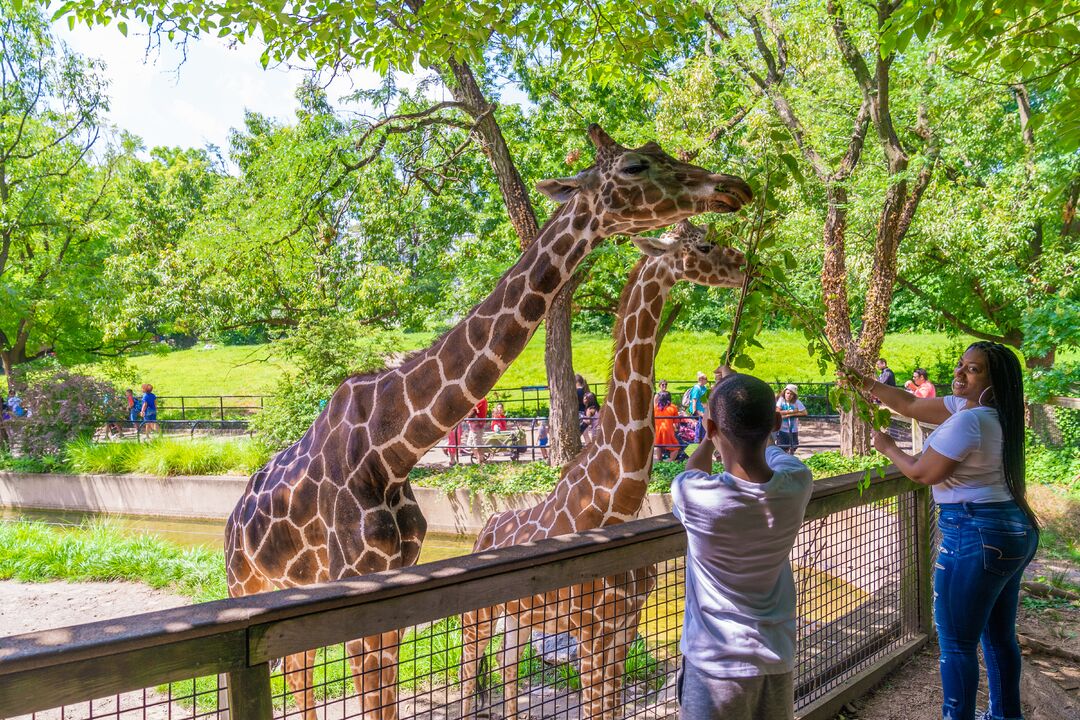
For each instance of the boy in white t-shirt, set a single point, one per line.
(738, 641)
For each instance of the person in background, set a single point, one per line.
(920, 384)
(498, 418)
(665, 413)
(661, 387)
(542, 438)
(592, 409)
(148, 409)
(15, 406)
(132, 407)
(694, 399)
(791, 409)
(453, 440)
(474, 429)
(975, 463)
(885, 375)
(738, 638)
(588, 423)
(582, 388)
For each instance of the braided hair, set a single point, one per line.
(1007, 389)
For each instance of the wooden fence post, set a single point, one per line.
(249, 693)
(926, 522)
(917, 438)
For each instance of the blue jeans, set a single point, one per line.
(984, 550)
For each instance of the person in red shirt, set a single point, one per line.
(474, 429)
(498, 418)
(920, 384)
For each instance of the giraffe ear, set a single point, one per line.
(653, 247)
(560, 189)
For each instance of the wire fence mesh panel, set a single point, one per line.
(857, 592)
(191, 699)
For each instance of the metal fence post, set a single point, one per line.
(183, 409)
(249, 694)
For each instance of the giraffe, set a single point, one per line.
(337, 503)
(604, 485)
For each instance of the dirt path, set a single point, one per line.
(28, 607)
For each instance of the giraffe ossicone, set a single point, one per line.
(337, 503)
(604, 485)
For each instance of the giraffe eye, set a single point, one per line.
(635, 169)
(703, 247)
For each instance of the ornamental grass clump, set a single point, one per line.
(169, 456)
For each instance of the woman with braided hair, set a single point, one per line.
(974, 461)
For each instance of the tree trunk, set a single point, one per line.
(1041, 418)
(667, 324)
(564, 431)
(854, 435)
(9, 366)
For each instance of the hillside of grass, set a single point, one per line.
(253, 369)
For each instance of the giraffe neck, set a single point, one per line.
(443, 383)
(619, 460)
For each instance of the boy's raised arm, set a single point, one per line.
(701, 459)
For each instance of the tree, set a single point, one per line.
(995, 254)
(1005, 43)
(763, 54)
(55, 202)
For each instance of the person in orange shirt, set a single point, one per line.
(920, 384)
(665, 414)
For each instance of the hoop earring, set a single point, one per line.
(983, 393)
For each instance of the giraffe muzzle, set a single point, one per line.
(729, 193)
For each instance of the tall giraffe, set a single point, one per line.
(604, 485)
(337, 503)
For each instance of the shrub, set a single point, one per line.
(169, 456)
(325, 351)
(831, 462)
(62, 406)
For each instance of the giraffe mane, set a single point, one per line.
(618, 330)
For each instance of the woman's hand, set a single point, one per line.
(851, 377)
(883, 442)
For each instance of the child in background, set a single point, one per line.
(738, 639)
(542, 438)
(498, 418)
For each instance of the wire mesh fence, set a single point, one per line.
(585, 626)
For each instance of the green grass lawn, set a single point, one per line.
(252, 369)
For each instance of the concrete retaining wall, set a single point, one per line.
(213, 497)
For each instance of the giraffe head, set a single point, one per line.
(632, 190)
(693, 257)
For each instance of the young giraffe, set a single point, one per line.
(337, 503)
(604, 485)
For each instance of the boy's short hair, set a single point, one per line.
(743, 406)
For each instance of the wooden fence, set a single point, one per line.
(863, 559)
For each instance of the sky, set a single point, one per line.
(194, 103)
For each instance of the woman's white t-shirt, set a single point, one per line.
(972, 437)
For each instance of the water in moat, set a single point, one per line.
(207, 533)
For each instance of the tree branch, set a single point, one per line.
(951, 317)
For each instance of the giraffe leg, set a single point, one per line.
(515, 638)
(299, 671)
(601, 662)
(374, 666)
(476, 631)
